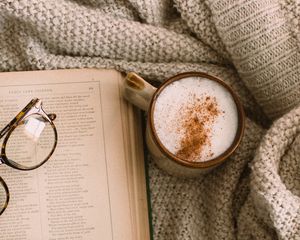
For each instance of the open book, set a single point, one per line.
(94, 185)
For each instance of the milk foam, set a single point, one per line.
(167, 115)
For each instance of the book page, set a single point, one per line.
(84, 191)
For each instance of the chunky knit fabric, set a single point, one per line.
(252, 45)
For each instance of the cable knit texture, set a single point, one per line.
(252, 45)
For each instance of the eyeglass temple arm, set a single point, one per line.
(51, 116)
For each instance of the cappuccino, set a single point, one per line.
(195, 119)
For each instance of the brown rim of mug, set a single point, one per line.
(215, 161)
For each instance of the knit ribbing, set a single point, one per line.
(258, 37)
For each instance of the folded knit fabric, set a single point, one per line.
(276, 177)
(252, 45)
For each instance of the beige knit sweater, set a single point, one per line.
(252, 45)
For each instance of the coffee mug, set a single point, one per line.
(195, 121)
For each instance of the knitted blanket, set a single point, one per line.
(252, 45)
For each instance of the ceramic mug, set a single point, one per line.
(140, 93)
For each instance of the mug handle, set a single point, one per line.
(137, 91)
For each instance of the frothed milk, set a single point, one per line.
(196, 119)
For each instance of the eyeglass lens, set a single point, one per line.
(3, 196)
(31, 141)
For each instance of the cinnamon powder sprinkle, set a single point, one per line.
(197, 120)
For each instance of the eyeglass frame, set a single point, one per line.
(33, 107)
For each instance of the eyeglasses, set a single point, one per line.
(30, 140)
